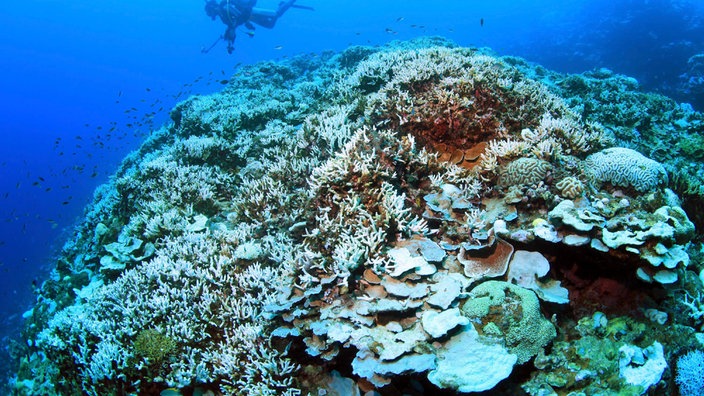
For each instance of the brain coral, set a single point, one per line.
(524, 171)
(570, 187)
(624, 167)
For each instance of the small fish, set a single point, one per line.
(224, 82)
(250, 33)
(399, 19)
(481, 22)
(278, 47)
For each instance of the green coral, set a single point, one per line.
(692, 146)
(154, 346)
(516, 312)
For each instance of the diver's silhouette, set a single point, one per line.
(235, 13)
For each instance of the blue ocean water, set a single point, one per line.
(82, 83)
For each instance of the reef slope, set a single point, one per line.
(408, 218)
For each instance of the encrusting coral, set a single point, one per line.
(358, 212)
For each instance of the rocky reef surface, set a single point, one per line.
(416, 218)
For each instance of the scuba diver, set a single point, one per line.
(235, 13)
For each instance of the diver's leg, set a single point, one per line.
(267, 18)
(263, 17)
(283, 7)
(230, 36)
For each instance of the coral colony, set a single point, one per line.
(416, 218)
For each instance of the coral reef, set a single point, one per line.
(412, 216)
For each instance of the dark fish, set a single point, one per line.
(481, 22)
(399, 19)
(224, 82)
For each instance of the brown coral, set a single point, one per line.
(570, 187)
(525, 171)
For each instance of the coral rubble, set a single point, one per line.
(417, 215)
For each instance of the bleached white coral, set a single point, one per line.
(624, 167)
